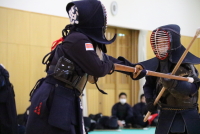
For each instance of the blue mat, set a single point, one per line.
(125, 131)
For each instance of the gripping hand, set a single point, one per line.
(150, 106)
(140, 74)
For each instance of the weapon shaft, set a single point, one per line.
(151, 73)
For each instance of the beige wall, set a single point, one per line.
(25, 37)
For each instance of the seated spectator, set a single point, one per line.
(122, 111)
(139, 112)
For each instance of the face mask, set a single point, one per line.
(160, 43)
(122, 101)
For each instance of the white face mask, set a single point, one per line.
(122, 101)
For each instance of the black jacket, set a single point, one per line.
(122, 111)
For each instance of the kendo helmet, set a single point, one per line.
(166, 43)
(164, 40)
(90, 18)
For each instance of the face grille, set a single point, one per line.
(160, 43)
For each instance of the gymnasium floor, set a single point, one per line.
(150, 130)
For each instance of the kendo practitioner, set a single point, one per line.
(55, 103)
(8, 113)
(178, 104)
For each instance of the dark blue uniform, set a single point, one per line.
(178, 104)
(55, 104)
(8, 114)
(122, 111)
(55, 108)
(139, 110)
(175, 118)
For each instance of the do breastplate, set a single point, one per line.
(174, 99)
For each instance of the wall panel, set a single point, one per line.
(108, 101)
(57, 25)
(3, 53)
(18, 67)
(150, 53)
(93, 100)
(3, 25)
(198, 54)
(40, 30)
(37, 69)
(134, 59)
(18, 27)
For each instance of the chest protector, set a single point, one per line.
(172, 98)
(68, 72)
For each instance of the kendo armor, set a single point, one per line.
(174, 99)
